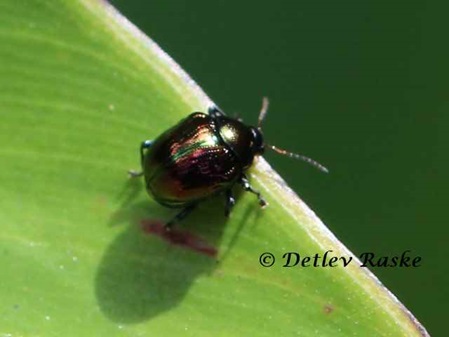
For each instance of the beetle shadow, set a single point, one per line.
(141, 275)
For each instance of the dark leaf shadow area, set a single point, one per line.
(142, 274)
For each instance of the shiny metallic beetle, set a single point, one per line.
(204, 155)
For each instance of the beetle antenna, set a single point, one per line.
(263, 112)
(299, 156)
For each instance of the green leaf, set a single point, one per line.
(81, 87)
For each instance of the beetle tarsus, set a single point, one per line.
(214, 111)
(135, 174)
(230, 202)
(181, 215)
(247, 187)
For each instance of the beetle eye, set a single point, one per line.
(258, 145)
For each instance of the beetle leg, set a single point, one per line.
(181, 215)
(144, 145)
(214, 111)
(230, 202)
(247, 187)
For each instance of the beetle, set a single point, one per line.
(201, 156)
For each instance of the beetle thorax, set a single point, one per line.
(245, 141)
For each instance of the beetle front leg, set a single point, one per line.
(230, 202)
(181, 215)
(143, 146)
(247, 187)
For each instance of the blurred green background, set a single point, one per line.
(362, 87)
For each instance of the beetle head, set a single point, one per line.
(257, 144)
